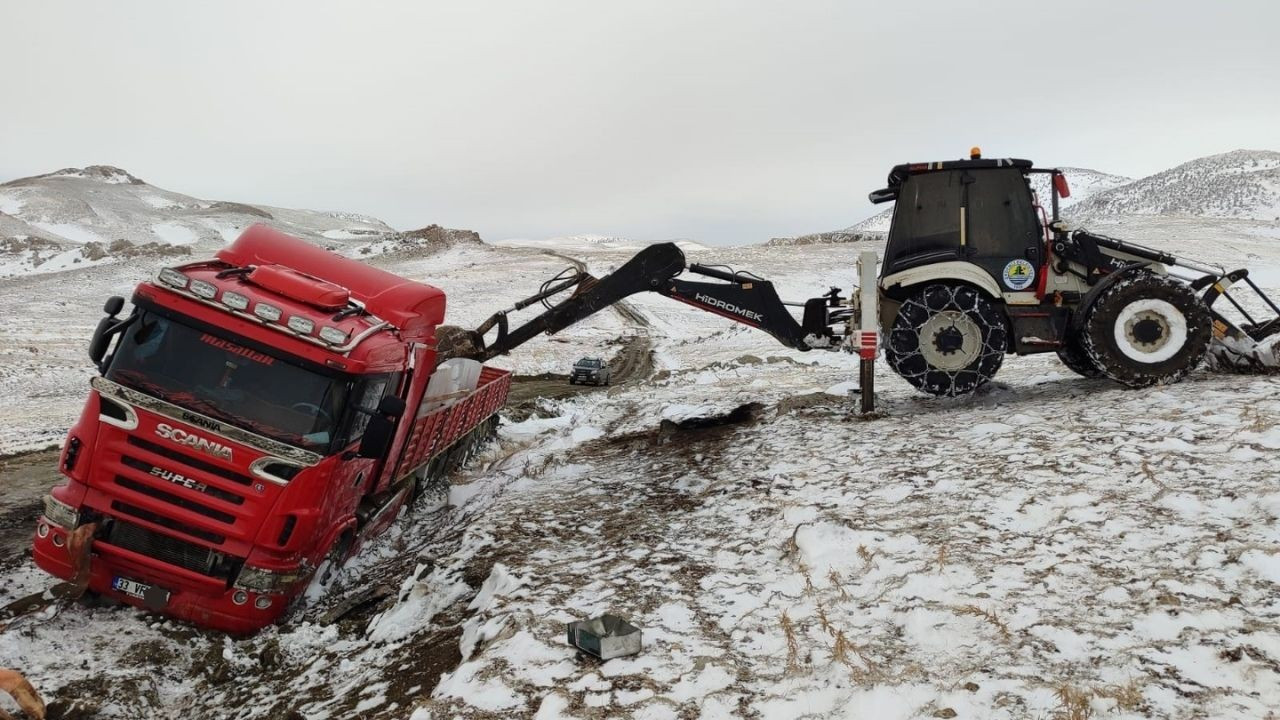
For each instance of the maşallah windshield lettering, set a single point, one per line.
(230, 382)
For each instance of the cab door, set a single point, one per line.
(1002, 233)
(355, 476)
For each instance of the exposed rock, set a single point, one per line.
(235, 207)
(125, 249)
(436, 235)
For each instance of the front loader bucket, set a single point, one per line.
(1249, 346)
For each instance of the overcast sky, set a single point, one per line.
(725, 122)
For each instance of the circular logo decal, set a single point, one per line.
(1019, 274)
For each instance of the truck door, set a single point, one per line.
(356, 476)
(1003, 233)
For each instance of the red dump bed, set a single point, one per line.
(437, 430)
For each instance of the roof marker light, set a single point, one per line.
(333, 335)
(200, 288)
(270, 313)
(173, 278)
(300, 324)
(235, 300)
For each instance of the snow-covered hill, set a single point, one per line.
(1242, 184)
(78, 217)
(1085, 183)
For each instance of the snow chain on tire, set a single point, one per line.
(922, 345)
(1076, 358)
(1147, 330)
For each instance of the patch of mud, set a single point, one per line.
(24, 479)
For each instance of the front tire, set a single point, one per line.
(1076, 358)
(947, 340)
(1147, 330)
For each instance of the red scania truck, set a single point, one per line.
(257, 415)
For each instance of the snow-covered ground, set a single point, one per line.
(1049, 545)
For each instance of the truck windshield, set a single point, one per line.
(232, 383)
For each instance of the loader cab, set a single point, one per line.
(976, 212)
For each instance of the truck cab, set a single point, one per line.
(256, 415)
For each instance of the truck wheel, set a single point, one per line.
(1147, 330)
(1076, 358)
(947, 340)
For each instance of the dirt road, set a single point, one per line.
(24, 479)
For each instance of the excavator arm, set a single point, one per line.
(742, 297)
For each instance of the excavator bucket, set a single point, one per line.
(1244, 344)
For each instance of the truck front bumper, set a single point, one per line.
(196, 598)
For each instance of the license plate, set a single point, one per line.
(150, 594)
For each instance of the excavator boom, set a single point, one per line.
(741, 297)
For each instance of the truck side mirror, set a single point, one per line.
(377, 437)
(381, 429)
(107, 328)
(391, 406)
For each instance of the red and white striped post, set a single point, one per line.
(868, 334)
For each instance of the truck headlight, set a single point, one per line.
(60, 513)
(300, 324)
(264, 580)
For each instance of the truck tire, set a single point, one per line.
(1147, 330)
(947, 340)
(1076, 358)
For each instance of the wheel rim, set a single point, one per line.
(950, 340)
(1150, 330)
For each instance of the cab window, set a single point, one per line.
(926, 220)
(368, 392)
(1002, 221)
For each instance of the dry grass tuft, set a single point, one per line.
(989, 615)
(824, 622)
(834, 577)
(844, 653)
(1127, 697)
(809, 589)
(1073, 703)
(866, 556)
(942, 557)
(793, 645)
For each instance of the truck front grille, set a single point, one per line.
(189, 461)
(167, 549)
(178, 500)
(166, 522)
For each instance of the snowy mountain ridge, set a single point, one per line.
(1241, 184)
(78, 217)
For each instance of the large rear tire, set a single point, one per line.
(947, 340)
(1147, 330)
(1076, 358)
